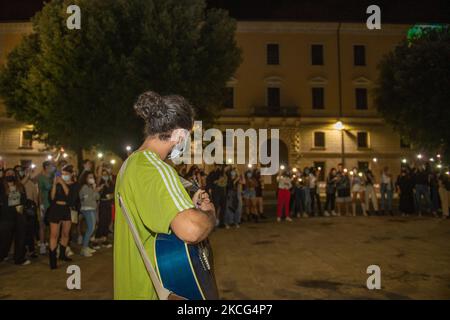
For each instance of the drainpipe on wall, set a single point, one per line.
(340, 89)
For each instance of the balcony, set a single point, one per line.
(276, 111)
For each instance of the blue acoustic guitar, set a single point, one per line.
(185, 269)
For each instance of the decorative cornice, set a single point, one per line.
(273, 80)
(285, 27)
(318, 28)
(361, 81)
(16, 28)
(318, 81)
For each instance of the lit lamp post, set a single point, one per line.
(340, 126)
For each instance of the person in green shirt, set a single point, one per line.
(154, 196)
(45, 182)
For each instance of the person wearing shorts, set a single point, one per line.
(249, 195)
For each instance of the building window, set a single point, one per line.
(273, 98)
(229, 98)
(319, 139)
(320, 165)
(359, 55)
(361, 98)
(363, 140)
(363, 166)
(26, 140)
(273, 54)
(318, 101)
(317, 55)
(404, 144)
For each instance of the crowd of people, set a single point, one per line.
(420, 191)
(43, 211)
(238, 196)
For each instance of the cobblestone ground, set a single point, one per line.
(315, 258)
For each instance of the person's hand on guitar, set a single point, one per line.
(203, 202)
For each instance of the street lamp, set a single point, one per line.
(340, 127)
(65, 155)
(375, 160)
(230, 161)
(100, 155)
(49, 157)
(294, 170)
(249, 166)
(113, 161)
(282, 167)
(419, 156)
(404, 161)
(128, 148)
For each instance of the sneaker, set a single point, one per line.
(227, 226)
(69, 252)
(305, 215)
(90, 250)
(326, 214)
(278, 219)
(333, 213)
(298, 215)
(237, 226)
(25, 263)
(108, 245)
(80, 240)
(42, 249)
(288, 219)
(96, 247)
(85, 252)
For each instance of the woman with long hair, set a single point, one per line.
(284, 195)
(358, 190)
(89, 197)
(59, 215)
(12, 220)
(106, 189)
(330, 201)
(249, 195)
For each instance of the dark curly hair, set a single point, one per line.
(163, 114)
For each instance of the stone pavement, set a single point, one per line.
(315, 258)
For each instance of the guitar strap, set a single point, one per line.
(163, 293)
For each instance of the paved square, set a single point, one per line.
(315, 258)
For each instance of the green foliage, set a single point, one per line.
(77, 87)
(413, 90)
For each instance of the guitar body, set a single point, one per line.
(185, 269)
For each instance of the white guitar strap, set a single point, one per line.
(163, 293)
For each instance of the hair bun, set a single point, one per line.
(149, 105)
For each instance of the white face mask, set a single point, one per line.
(179, 148)
(91, 181)
(66, 178)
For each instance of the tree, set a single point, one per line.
(77, 87)
(413, 90)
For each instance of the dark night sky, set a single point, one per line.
(395, 11)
